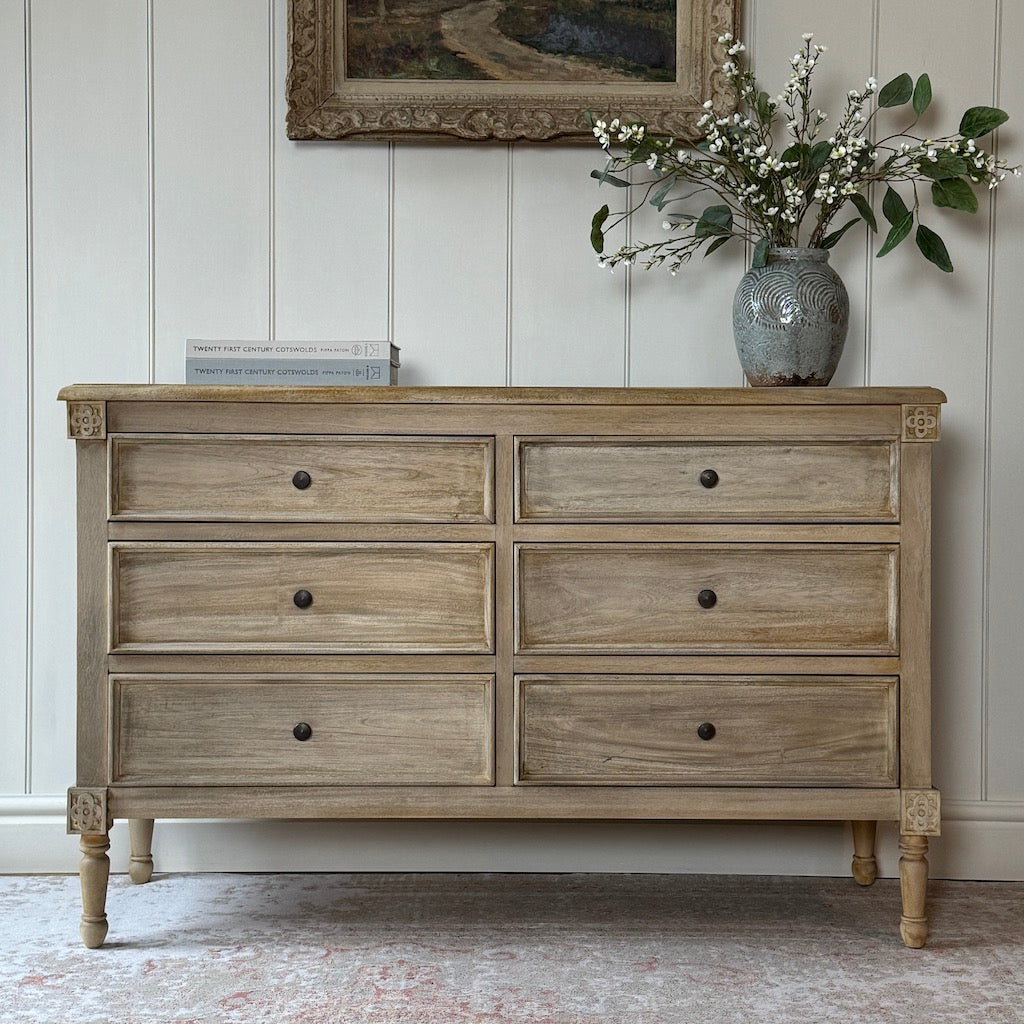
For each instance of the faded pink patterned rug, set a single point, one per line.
(498, 949)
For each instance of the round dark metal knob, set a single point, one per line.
(708, 478)
(302, 480)
(302, 731)
(706, 731)
(706, 599)
(302, 598)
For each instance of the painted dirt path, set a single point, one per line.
(471, 32)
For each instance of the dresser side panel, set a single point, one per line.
(93, 614)
(915, 618)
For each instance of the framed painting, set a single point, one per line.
(505, 70)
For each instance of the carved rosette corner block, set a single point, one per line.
(920, 423)
(87, 421)
(919, 812)
(87, 812)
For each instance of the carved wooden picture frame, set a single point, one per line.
(444, 88)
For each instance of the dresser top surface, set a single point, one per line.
(501, 395)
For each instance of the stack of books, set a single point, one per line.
(291, 362)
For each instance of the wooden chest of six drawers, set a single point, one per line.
(504, 603)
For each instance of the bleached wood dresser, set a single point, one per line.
(503, 603)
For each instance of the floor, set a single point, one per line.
(497, 949)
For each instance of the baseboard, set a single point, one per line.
(980, 840)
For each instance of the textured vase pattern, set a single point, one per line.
(790, 319)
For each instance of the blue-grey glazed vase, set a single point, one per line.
(790, 319)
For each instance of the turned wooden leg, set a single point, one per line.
(864, 866)
(94, 871)
(140, 867)
(913, 885)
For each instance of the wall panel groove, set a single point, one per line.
(151, 196)
(15, 393)
(986, 544)
(29, 577)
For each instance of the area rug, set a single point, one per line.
(508, 949)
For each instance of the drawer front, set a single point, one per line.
(592, 480)
(621, 730)
(664, 598)
(352, 479)
(431, 598)
(402, 730)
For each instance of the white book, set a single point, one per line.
(332, 372)
(199, 349)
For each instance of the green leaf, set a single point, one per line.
(596, 234)
(933, 248)
(922, 95)
(796, 154)
(979, 121)
(896, 234)
(715, 220)
(955, 194)
(819, 154)
(863, 207)
(893, 207)
(946, 165)
(717, 244)
(830, 240)
(763, 107)
(760, 256)
(896, 92)
(603, 176)
(659, 200)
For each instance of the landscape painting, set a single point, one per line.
(502, 70)
(586, 41)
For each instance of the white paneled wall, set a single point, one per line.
(148, 194)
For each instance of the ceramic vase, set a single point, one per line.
(790, 319)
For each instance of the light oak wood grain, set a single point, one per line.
(374, 730)
(161, 530)
(293, 661)
(504, 599)
(430, 600)
(620, 416)
(93, 712)
(354, 479)
(816, 533)
(633, 730)
(509, 803)
(915, 615)
(644, 598)
(366, 597)
(633, 480)
(786, 397)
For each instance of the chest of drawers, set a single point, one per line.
(503, 603)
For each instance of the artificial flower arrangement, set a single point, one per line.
(781, 180)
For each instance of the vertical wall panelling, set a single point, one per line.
(929, 326)
(1003, 635)
(329, 225)
(211, 172)
(14, 408)
(567, 316)
(680, 328)
(450, 263)
(90, 267)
